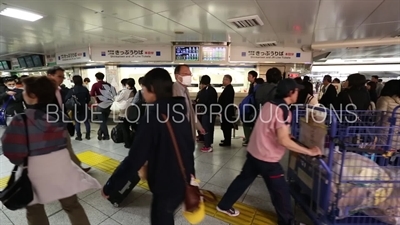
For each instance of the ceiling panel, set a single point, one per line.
(130, 29)
(161, 24)
(224, 11)
(124, 10)
(197, 19)
(333, 34)
(46, 25)
(295, 40)
(365, 52)
(289, 22)
(291, 16)
(388, 11)
(342, 13)
(158, 6)
(388, 51)
(376, 30)
(66, 10)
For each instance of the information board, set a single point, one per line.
(187, 54)
(214, 54)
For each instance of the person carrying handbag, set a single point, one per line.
(168, 173)
(40, 142)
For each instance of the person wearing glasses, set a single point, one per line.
(183, 77)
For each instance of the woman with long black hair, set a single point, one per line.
(355, 96)
(153, 143)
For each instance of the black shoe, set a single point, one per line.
(99, 135)
(78, 137)
(225, 144)
(87, 137)
(222, 141)
(106, 138)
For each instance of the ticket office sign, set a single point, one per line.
(129, 54)
(273, 54)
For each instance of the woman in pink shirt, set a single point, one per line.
(269, 140)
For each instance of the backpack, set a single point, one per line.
(72, 101)
(247, 108)
(116, 133)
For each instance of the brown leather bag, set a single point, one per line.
(192, 193)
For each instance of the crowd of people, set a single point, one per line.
(267, 133)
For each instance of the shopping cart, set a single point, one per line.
(324, 187)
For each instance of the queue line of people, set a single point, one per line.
(154, 146)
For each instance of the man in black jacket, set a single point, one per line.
(11, 100)
(226, 100)
(57, 75)
(208, 101)
(328, 94)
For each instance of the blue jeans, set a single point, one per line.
(78, 127)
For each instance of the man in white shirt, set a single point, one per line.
(57, 74)
(183, 77)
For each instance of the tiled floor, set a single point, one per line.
(215, 170)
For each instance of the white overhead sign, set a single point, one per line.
(132, 54)
(77, 56)
(269, 54)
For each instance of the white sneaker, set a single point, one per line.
(230, 212)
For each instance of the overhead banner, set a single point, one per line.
(132, 54)
(77, 56)
(269, 54)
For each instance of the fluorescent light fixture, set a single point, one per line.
(20, 14)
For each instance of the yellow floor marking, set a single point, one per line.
(248, 215)
(3, 182)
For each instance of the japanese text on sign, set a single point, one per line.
(270, 54)
(71, 56)
(129, 53)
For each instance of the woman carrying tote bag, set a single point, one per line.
(52, 174)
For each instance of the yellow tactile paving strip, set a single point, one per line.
(3, 182)
(248, 215)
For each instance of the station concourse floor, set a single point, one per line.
(215, 170)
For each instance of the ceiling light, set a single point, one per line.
(20, 14)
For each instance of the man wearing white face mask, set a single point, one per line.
(183, 77)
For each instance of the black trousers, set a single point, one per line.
(163, 208)
(208, 123)
(226, 128)
(103, 129)
(127, 132)
(274, 178)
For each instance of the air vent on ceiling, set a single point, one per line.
(133, 39)
(246, 21)
(267, 44)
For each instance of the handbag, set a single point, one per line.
(3, 113)
(18, 193)
(192, 193)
